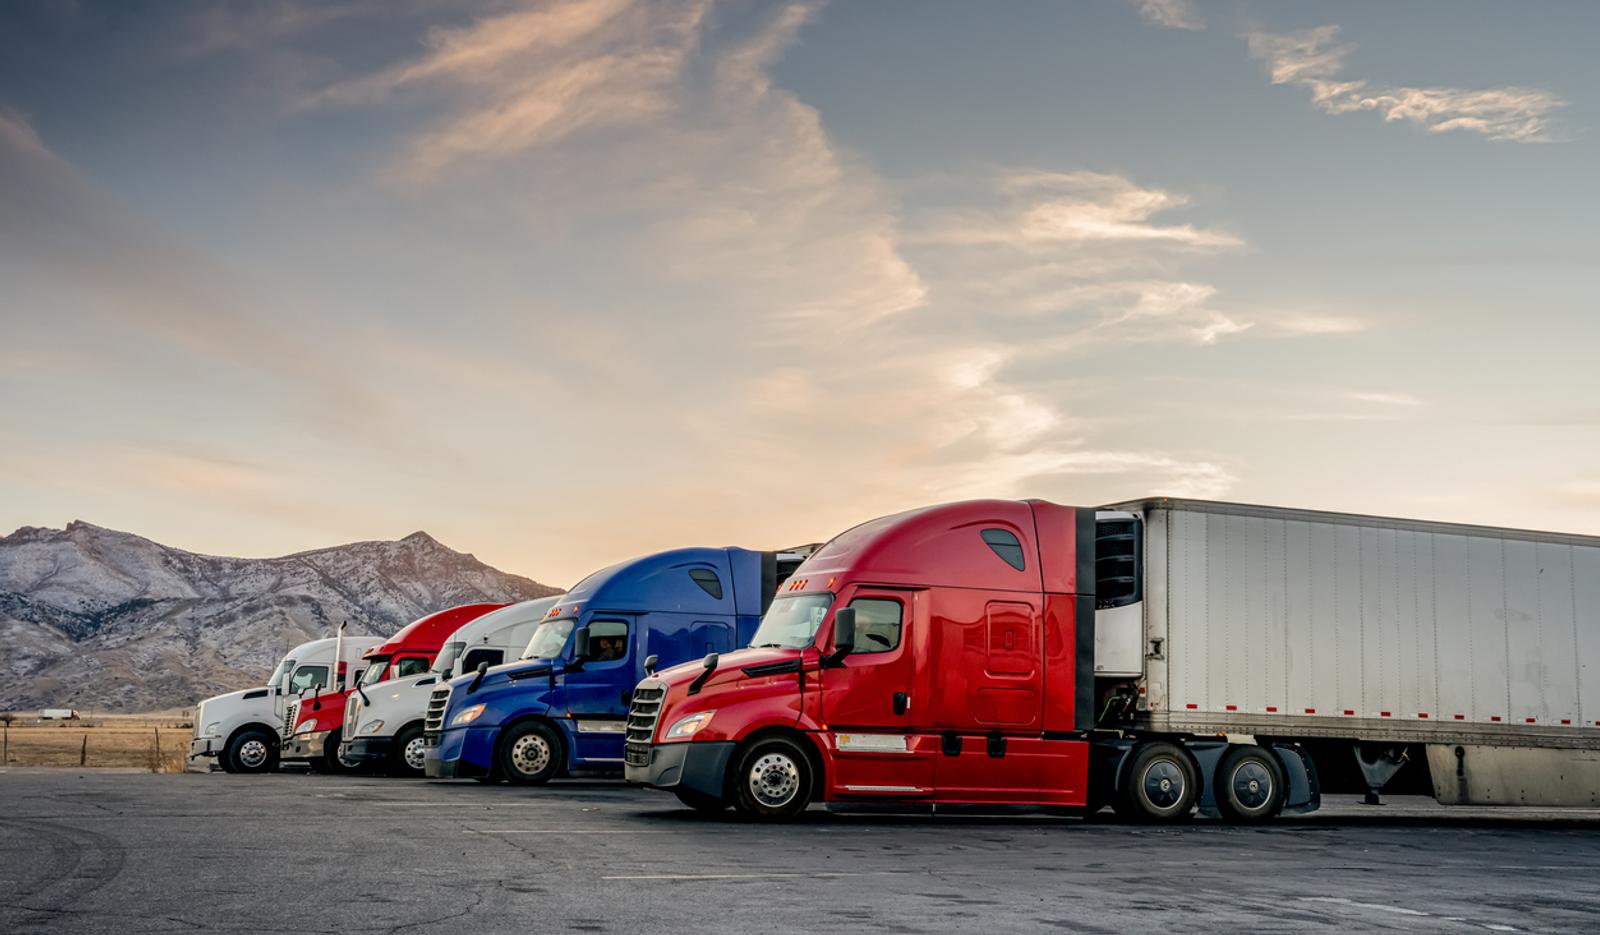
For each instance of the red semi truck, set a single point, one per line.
(313, 727)
(1158, 656)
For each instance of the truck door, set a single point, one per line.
(867, 704)
(596, 697)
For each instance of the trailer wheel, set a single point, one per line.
(408, 756)
(1250, 785)
(773, 780)
(251, 751)
(700, 802)
(530, 754)
(1159, 786)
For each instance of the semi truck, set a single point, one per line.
(313, 726)
(383, 727)
(561, 706)
(1160, 656)
(240, 730)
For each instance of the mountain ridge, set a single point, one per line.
(101, 618)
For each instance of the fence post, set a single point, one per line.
(156, 766)
(83, 752)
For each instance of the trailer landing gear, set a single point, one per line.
(1378, 766)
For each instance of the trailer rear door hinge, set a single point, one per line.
(997, 746)
(950, 744)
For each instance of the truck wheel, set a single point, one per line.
(1250, 784)
(773, 780)
(530, 754)
(1159, 786)
(330, 754)
(700, 802)
(408, 756)
(252, 751)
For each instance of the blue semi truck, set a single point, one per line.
(564, 704)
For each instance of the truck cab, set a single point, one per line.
(240, 730)
(313, 725)
(562, 705)
(383, 726)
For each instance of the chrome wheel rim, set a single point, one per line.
(530, 754)
(774, 780)
(252, 753)
(1164, 784)
(415, 753)
(1252, 785)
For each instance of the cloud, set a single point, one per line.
(1170, 14)
(1315, 59)
(1384, 399)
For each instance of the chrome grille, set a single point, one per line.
(433, 721)
(290, 712)
(642, 716)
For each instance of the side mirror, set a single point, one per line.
(482, 668)
(710, 666)
(580, 643)
(844, 637)
(650, 664)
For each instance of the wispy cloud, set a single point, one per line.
(1315, 59)
(1170, 14)
(1384, 399)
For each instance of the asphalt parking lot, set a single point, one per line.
(87, 851)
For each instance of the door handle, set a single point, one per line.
(902, 702)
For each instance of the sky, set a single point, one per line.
(565, 282)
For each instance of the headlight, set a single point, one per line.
(467, 715)
(689, 726)
(372, 727)
(307, 727)
(215, 727)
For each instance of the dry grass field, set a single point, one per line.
(100, 741)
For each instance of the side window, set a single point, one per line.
(608, 640)
(877, 625)
(492, 656)
(707, 580)
(309, 677)
(410, 665)
(1118, 549)
(1004, 543)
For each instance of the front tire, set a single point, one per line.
(1250, 785)
(530, 754)
(1160, 785)
(252, 751)
(408, 756)
(330, 754)
(773, 780)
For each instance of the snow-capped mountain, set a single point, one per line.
(95, 618)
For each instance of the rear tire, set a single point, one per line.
(530, 754)
(1250, 785)
(408, 756)
(251, 751)
(773, 780)
(700, 802)
(1160, 785)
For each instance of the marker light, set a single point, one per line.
(467, 715)
(689, 726)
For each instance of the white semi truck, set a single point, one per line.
(383, 722)
(239, 730)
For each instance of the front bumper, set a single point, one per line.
(462, 753)
(305, 746)
(205, 747)
(366, 749)
(698, 765)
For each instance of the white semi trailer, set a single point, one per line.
(1460, 659)
(239, 730)
(383, 723)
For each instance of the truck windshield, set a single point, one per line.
(548, 639)
(375, 667)
(791, 622)
(447, 656)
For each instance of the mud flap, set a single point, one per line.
(1305, 795)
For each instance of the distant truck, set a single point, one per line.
(59, 714)
(240, 730)
(383, 726)
(313, 725)
(1157, 656)
(562, 705)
